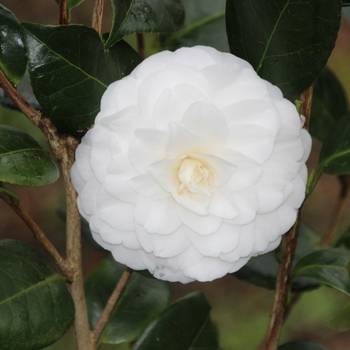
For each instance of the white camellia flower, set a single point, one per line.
(195, 164)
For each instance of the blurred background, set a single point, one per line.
(240, 310)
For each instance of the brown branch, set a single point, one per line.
(63, 12)
(63, 147)
(39, 235)
(141, 45)
(110, 304)
(282, 288)
(97, 13)
(74, 251)
(329, 236)
(31, 113)
(289, 244)
(306, 98)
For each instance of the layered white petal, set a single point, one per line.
(195, 165)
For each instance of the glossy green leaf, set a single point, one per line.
(204, 25)
(328, 266)
(329, 103)
(341, 322)
(70, 70)
(23, 161)
(335, 153)
(140, 16)
(36, 307)
(301, 345)
(142, 301)
(262, 271)
(185, 324)
(72, 3)
(287, 42)
(12, 56)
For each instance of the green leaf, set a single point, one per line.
(301, 345)
(72, 3)
(341, 322)
(132, 16)
(328, 266)
(35, 305)
(23, 161)
(12, 56)
(287, 42)
(329, 103)
(185, 324)
(142, 301)
(70, 70)
(204, 25)
(335, 152)
(262, 271)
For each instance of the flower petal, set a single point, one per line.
(221, 170)
(147, 147)
(147, 186)
(203, 225)
(207, 122)
(254, 141)
(224, 240)
(182, 142)
(157, 216)
(173, 103)
(165, 172)
(163, 246)
(119, 215)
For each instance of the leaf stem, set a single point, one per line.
(97, 13)
(38, 233)
(279, 308)
(96, 333)
(63, 12)
(328, 238)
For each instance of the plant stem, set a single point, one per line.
(31, 113)
(63, 12)
(141, 45)
(282, 287)
(63, 147)
(74, 253)
(289, 244)
(110, 304)
(328, 238)
(97, 14)
(39, 235)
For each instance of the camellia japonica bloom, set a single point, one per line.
(195, 164)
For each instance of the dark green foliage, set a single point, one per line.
(185, 324)
(70, 70)
(141, 302)
(23, 161)
(35, 306)
(329, 103)
(140, 16)
(287, 42)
